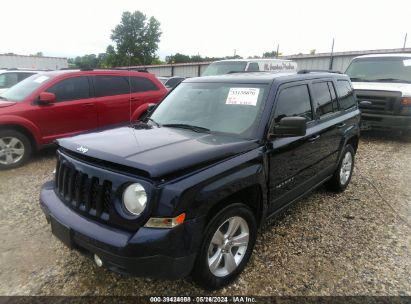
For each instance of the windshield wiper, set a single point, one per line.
(156, 123)
(392, 80)
(186, 126)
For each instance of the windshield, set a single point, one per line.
(394, 69)
(24, 88)
(221, 68)
(213, 107)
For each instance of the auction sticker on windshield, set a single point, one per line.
(243, 96)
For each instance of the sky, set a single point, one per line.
(209, 28)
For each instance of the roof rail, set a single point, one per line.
(318, 71)
(108, 69)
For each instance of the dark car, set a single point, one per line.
(185, 192)
(50, 105)
(171, 82)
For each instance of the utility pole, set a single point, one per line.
(278, 48)
(405, 40)
(331, 56)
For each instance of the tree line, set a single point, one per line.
(135, 41)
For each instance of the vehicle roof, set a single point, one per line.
(252, 59)
(93, 72)
(408, 55)
(264, 77)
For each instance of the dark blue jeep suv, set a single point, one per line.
(185, 191)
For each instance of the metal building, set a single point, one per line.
(338, 61)
(32, 62)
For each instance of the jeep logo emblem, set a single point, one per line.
(82, 149)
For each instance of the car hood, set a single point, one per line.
(158, 152)
(405, 88)
(4, 103)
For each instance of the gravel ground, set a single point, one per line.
(346, 244)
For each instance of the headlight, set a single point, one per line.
(135, 199)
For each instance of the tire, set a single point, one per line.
(229, 259)
(15, 149)
(343, 173)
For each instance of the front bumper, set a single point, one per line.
(385, 122)
(150, 252)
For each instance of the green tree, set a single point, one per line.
(272, 54)
(136, 40)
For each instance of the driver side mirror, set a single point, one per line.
(151, 107)
(290, 127)
(46, 98)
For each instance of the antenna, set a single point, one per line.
(405, 40)
(331, 56)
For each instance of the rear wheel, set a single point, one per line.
(342, 176)
(226, 248)
(15, 149)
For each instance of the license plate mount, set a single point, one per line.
(62, 232)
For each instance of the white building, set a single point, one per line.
(32, 62)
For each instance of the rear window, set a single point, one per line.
(7, 80)
(224, 67)
(141, 84)
(345, 94)
(111, 85)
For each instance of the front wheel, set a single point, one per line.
(226, 248)
(15, 149)
(342, 176)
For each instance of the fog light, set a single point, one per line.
(98, 261)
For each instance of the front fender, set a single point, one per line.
(13, 120)
(140, 110)
(198, 192)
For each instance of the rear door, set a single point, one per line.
(143, 90)
(74, 110)
(293, 160)
(112, 93)
(326, 114)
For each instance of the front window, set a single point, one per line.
(214, 107)
(390, 69)
(224, 67)
(24, 88)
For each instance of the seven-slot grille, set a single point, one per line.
(377, 104)
(82, 192)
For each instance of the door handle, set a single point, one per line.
(134, 98)
(88, 105)
(314, 138)
(341, 125)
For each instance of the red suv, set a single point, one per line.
(57, 104)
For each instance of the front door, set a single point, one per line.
(74, 110)
(293, 160)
